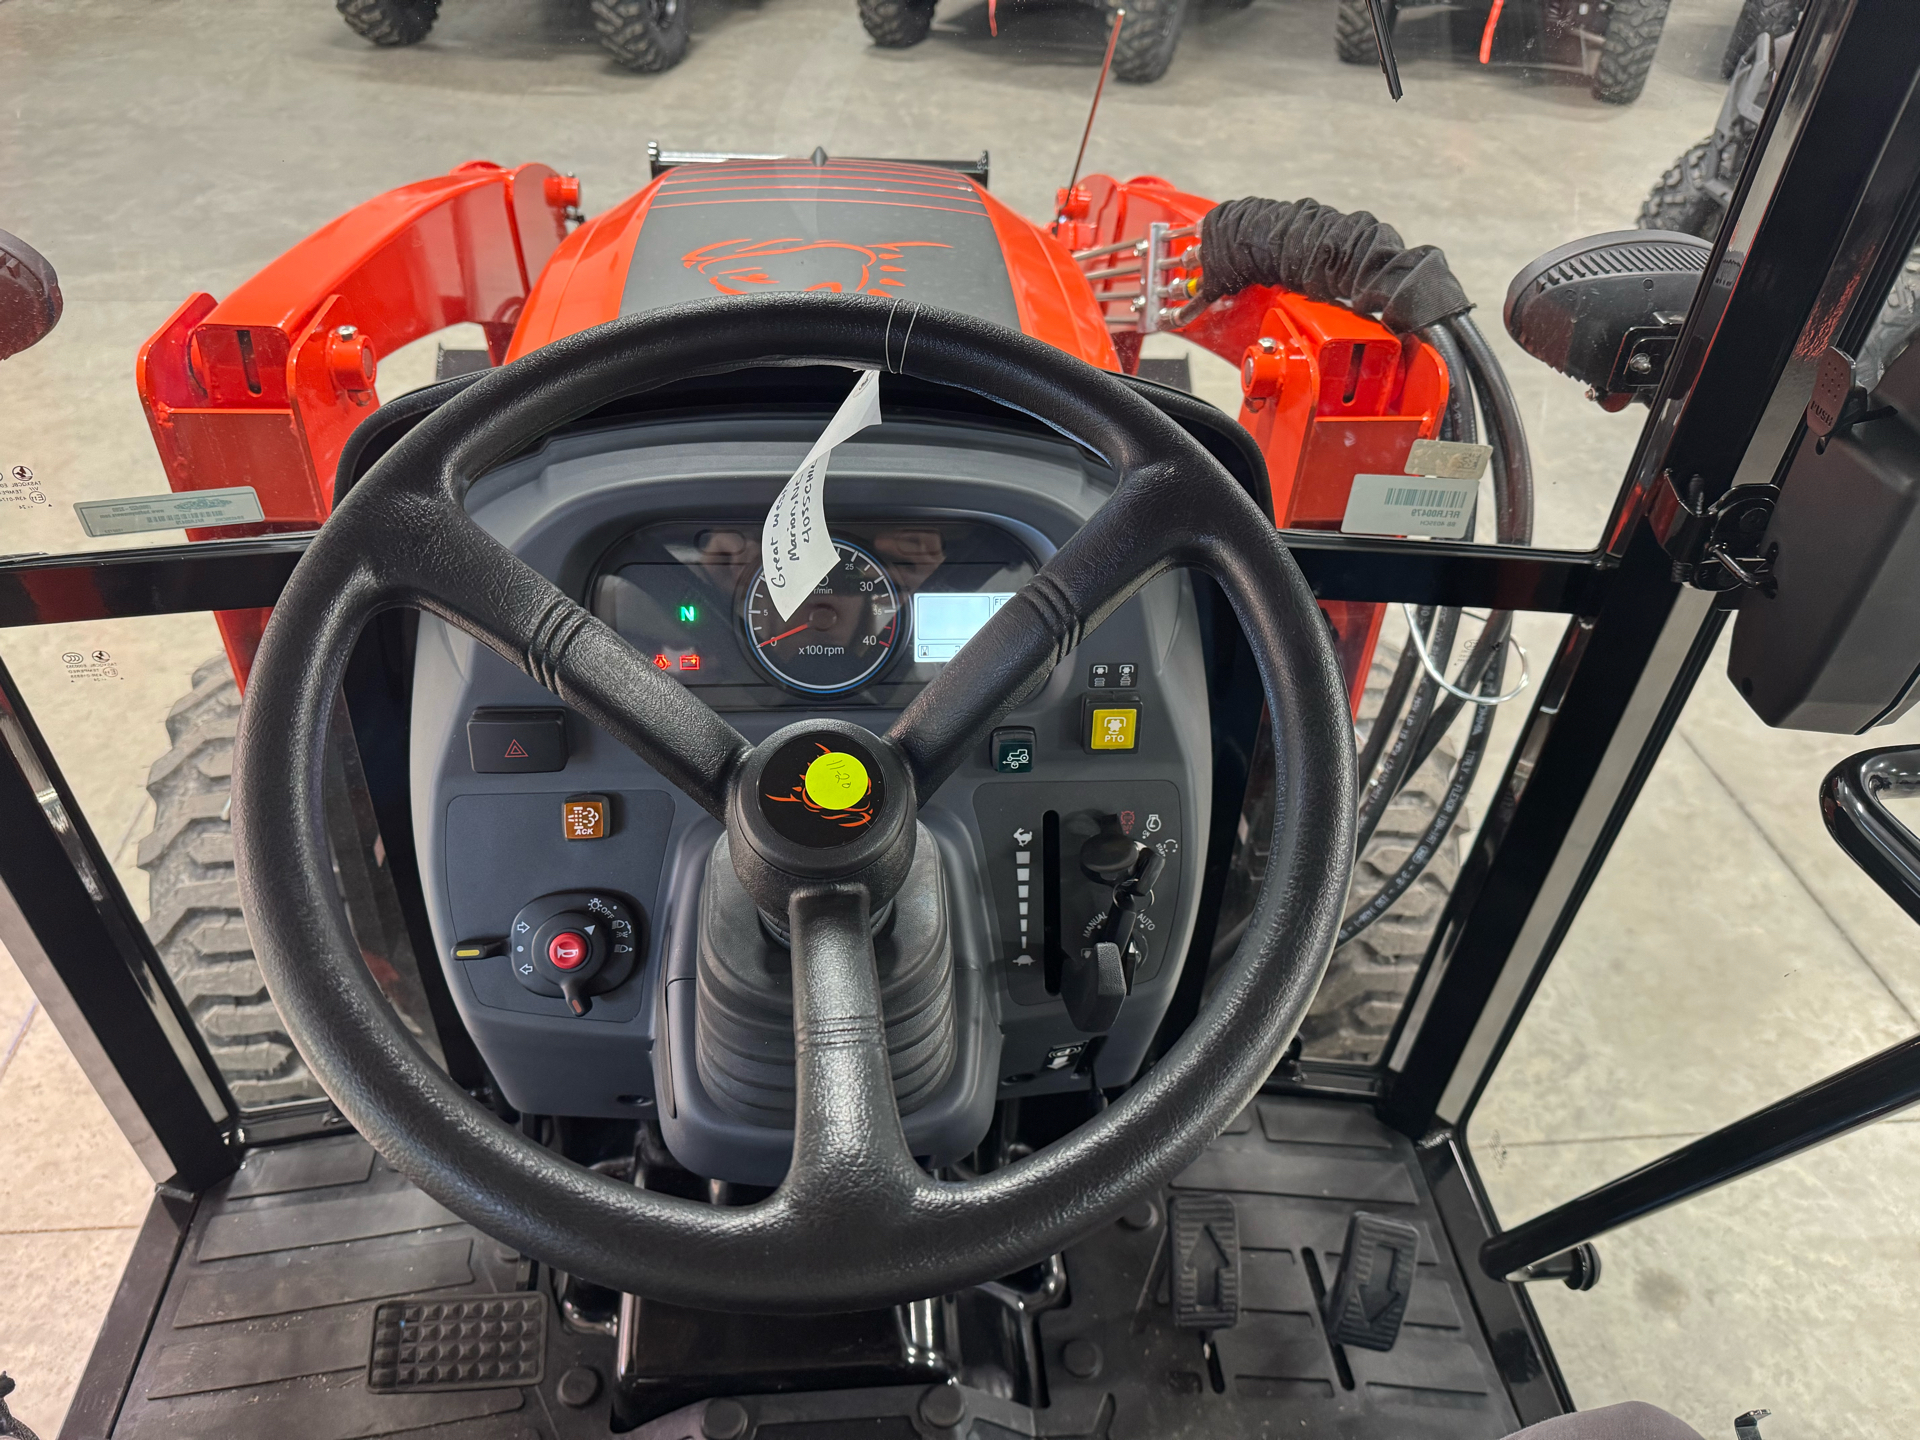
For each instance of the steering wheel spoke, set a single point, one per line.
(477, 584)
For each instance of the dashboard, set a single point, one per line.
(531, 824)
(903, 598)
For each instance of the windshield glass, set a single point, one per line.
(166, 163)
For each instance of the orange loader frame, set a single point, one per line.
(263, 389)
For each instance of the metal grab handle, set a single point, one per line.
(1853, 803)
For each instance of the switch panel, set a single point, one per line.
(1034, 833)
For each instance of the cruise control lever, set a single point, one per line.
(1097, 980)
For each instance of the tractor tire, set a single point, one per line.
(1148, 37)
(1354, 31)
(1772, 17)
(1692, 196)
(1368, 979)
(194, 913)
(648, 36)
(389, 22)
(1627, 54)
(897, 24)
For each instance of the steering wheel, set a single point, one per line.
(857, 1222)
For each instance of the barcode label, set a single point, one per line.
(230, 505)
(1422, 498)
(1394, 505)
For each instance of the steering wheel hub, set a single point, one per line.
(822, 802)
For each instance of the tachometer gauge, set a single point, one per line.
(841, 634)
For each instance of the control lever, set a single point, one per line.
(1099, 978)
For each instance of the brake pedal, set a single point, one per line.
(1204, 1259)
(458, 1343)
(1369, 1295)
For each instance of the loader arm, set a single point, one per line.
(263, 388)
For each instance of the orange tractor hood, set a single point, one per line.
(741, 227)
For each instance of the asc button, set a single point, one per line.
(501, 741)
(1014, 749)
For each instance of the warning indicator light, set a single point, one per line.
(689, 614)
(690, 662)
(515, 751)
(661, 660)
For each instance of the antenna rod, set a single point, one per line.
(1107, 62)
(1384, 41)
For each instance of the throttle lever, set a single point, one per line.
(1100, 977)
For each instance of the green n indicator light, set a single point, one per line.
(689, 614)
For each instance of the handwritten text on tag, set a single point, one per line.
(794, 546)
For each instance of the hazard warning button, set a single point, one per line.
(513, 742)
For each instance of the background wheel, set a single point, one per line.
(1354, 31)
(644, 35)
(1148, 37)
(1895, 327)
(897, 24)
(1693, 195)
(194, 908)
(1633, 35)
(1774, 17)
(1368, 979)
(389, 22)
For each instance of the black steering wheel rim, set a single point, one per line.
(856, 1223)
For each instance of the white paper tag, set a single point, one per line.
(795, 550)
(233, 505)
(1449, 459)
(1405, 505)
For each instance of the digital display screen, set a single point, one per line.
(944, 621)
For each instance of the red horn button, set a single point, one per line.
(567, 950)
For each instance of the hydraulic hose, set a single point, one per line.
(1392, 700)
(1397, 765)
(1396, 886)
(1492, 640)
(1356, 260)
(1457, 423)
(1514, 468)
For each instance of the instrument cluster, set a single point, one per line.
(902, 598)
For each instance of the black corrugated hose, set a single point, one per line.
(1356, 260)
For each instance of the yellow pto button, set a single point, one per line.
(1111, 728)
(835, 781)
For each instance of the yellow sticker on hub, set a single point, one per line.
(835, 781)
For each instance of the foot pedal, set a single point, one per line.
(1204, 1238)
(1369, 1296)
(461, 1343)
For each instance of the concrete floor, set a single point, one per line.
(155, 147)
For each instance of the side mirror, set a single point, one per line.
(1827, 640)
(30, 301)
(1606, 310)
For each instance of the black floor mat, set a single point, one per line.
(1296, 1171)
(266, 1325)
